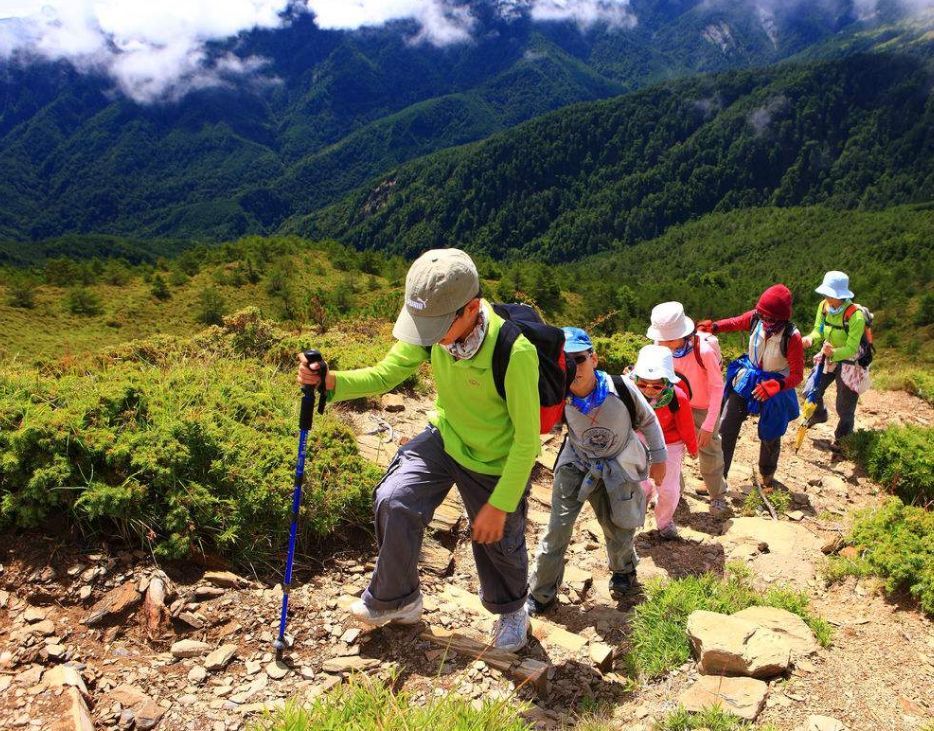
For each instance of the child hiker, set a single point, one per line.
(840, 324)
(763, 380)
(478, 440)
(654, 376)
(602, 461)
(697, 362)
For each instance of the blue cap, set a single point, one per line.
(576, 340)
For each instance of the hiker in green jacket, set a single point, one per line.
(478, 440)
(839, 325)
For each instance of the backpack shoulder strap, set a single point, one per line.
(625, 395)
(697, 355)
(789, 330)
(508, 334)
(674, 406)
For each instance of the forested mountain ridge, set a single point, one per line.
(332, 110)
(850, 133)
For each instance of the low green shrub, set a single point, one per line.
(618, 351)
(901, 458)
(896, 542)
(370, 705)
(659, 640)
(710, 719)
(916, 381)
(197, 455)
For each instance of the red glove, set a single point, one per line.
(705, 326)
(766, 389)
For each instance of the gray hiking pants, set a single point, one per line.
(731, 419)
(565, 507)
(846, 403)
(415, 484)
(710, 457)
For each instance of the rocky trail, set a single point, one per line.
(103, 638)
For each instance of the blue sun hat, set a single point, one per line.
(835, 285)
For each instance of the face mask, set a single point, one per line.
(469, 346)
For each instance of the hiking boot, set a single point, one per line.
(719, 508)
(409, 614)
(818, 417)
(669, 532)
(534, 607)
(621, 583)
(511, 631)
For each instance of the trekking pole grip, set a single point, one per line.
(308, 398)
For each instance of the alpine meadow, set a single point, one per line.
(650, 282)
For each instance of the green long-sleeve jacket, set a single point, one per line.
(481, 431)
(845, 344)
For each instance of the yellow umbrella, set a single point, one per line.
(810, 405)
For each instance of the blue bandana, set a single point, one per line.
(836, 310)
(595, 399)
(684, 349)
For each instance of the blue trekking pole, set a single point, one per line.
(305, 418)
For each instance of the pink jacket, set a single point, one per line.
(706, 382)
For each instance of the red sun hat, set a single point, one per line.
(775, 303)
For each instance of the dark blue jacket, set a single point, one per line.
(774, 413)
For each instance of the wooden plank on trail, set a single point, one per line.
(448, 516)
(524, 671)
(435, 558)
(542, 629)
(376, 449)
(541, 494)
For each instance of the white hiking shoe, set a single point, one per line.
(511, 631)
(408, 614)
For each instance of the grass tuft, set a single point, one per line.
(659, 639)
(366, 704)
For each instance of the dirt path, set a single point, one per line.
(878, 674)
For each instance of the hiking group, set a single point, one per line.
(503, 377)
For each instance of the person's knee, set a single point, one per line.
(396, 502)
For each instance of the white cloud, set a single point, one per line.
(586, 13)
(441, 22)
(156, 49)
(152, 50)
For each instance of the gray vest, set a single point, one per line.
(607, 433)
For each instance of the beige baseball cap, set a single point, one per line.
(439, 283)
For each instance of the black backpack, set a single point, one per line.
(555, 372)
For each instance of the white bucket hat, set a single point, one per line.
(836, 285)
(669, 322)
(655, 362)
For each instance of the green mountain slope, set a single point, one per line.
(853, 133)
(334, 110)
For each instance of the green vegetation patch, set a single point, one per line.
(194, 455)
(896, 542)
(370, 705)
(659, 640)
(710, 719)
(900, 457)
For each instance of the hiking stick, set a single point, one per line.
(305, 418)
(765, 500)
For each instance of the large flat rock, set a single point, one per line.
(785, 624)
(729, 645)
(743, 697)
